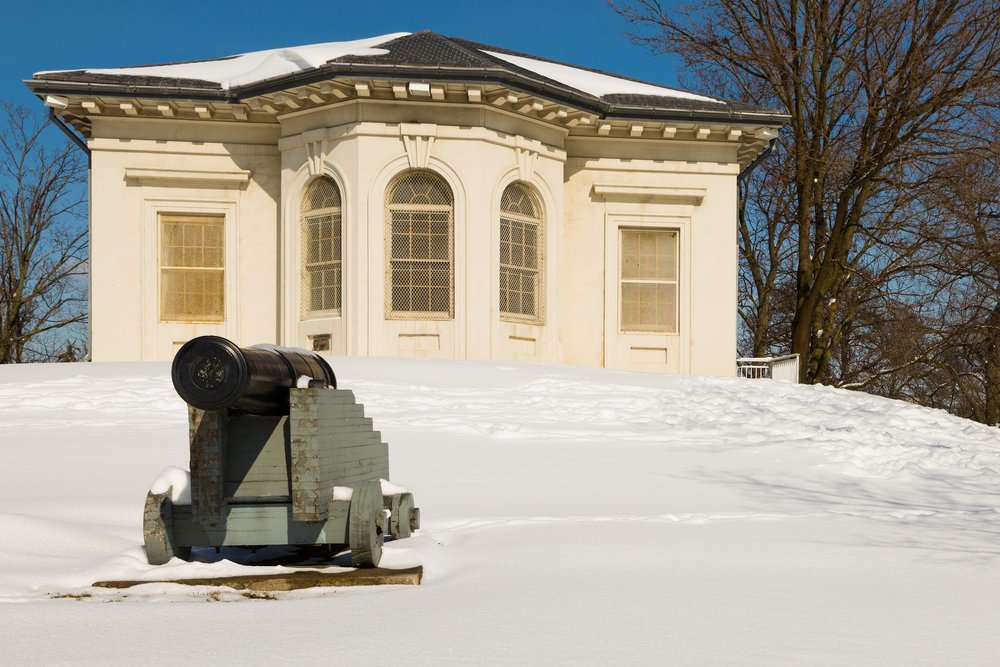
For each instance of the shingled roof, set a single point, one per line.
(418, 56)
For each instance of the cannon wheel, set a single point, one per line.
(401, 522)
(158, 530)
(365, 520)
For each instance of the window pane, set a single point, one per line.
(192, 257)
(648, 281)
(649, 255)
(649, 307)
(420, 247)
(322, 193)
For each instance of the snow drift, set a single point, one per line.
(569, 516)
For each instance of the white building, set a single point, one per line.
(412, 194)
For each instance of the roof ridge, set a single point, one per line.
(471, 54)
(476, 53)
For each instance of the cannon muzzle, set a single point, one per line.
(212, 373)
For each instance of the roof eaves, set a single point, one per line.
(174, 89)
(723, 115)
(332, 70)
(166, 90)
(497, 75)
(517, 81)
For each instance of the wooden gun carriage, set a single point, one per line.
(279, 456)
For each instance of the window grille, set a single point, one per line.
(521, 234)
(192, 268)
(420, 271)
(648, 281)
(322, 248)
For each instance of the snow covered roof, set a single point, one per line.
(246, 68)
(423, 55)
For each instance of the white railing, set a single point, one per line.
(784, 368)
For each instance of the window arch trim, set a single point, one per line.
(521, 248)
(321, 235)
(419, 247)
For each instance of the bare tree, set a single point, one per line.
(766, 204)
(966, 324)
(878, 91)
(43, 241)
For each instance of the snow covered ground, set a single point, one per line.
(570, 516)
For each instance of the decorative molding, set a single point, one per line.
(315, 150)
(559, 112)
(504, 99)
(315, 98)
(175, 176)
(525, 163)
(419, 88)
(286, 100)
(418, 141)
(650, 193)
(330, 89)
(259, 104)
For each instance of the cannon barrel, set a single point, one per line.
(212, 373)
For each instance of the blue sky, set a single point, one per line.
(46, 35)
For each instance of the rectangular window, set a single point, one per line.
(192, 268)
(322, 262)
(519, 277)
(648, 281)
(420, 261)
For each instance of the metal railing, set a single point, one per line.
(784, 368)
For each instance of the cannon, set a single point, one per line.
(279, 456)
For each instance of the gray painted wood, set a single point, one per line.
(208, 464)
(250, 525)
(402, 513)
(310, 495)
(365, 524)
(158, 534)
(332, 444)
(257, 458)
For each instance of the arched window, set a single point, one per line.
(420, 268)
(521, 269)
(322, 233)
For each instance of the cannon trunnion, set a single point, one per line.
(272, 463)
